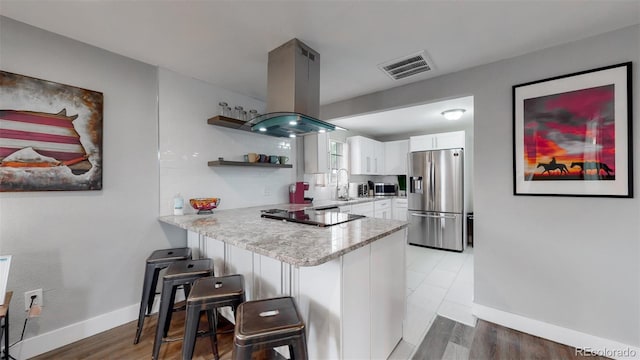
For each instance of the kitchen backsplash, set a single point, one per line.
(319, 191)
(187, 143)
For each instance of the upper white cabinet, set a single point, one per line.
(366, 156)
(395, 157)
(316, 153)
(378, 158)
(448, 140)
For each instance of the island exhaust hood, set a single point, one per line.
(293, 93)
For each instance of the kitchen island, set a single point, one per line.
(348, 279)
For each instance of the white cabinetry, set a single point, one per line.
(357, 296)
(373, 323)
(382, 209)
(388, 291)
(366, 156)
(378, 157)
(345, 208)
(365, 209)
(400, 207)
(395, 157)
(316, 153)
(448, 140)
(353, 306)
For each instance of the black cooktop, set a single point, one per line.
(320, 218)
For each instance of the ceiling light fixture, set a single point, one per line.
(453, 114)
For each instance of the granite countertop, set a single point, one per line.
(292, 243)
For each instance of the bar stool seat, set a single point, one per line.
(269, 323)
(209, 294)
(157, 261)
(183, 272)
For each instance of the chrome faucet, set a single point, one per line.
(342, 191)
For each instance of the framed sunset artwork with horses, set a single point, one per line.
(50, 135)
(572, 134)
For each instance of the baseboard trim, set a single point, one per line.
(579, 340)
(43, 343)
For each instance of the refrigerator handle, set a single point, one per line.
(415, 185)
(432, 186)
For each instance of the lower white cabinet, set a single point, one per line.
(382, 209)
(365, 209)
(345, 208)
(388, 289)
(357, 295)
(400, 207)
(373, 298)
(353, 306)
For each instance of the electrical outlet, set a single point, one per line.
(37, 301)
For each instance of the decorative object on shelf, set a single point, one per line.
(43, 148)
(244, 163)
(237, 112)
(253, 157)
(204, 205)
(283, 159)
(274, 159)
(224, 109)
(572, 134)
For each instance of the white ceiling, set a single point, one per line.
(226, 42)
(415, 119)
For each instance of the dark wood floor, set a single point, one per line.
(117, 343)
(447, 339)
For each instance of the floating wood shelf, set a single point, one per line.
(227, 122)
(244, 163)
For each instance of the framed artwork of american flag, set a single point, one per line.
(50, 135)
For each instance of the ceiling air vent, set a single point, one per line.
(406, 66)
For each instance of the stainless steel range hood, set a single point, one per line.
(293, 93)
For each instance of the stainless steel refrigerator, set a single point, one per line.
(436, 202)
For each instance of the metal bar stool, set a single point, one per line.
(183, 272)
(269, 323)
(157, 261)
(209, 294)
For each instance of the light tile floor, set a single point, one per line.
(438, 283)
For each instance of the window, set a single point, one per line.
(337, 160)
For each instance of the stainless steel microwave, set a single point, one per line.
(384, 189)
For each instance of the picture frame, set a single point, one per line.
(50, 135)
(572, 134)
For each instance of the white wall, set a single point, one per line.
(187, 143)
(570, 262)
(86, 249)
